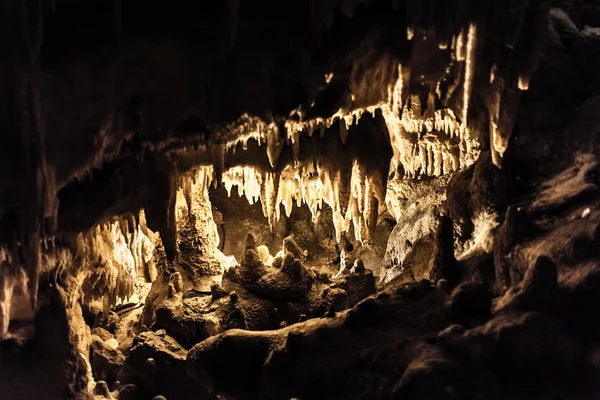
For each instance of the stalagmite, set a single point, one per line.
(187, 193)
(196, 217)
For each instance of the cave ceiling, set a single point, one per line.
(416, 179)
(180, 86)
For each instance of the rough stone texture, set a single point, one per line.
(290, 282)
(411, 241)
(101, 390)
(156, 365)
(102, 333)
(195, 264)
(457, 205)
(488, 190)
(148, 101)
(128, 392)
(471, 302)
(106, 361)
(474, 198)
(532, 337)
(256, 302)
(188, 320)
(532, 340)
(563, 213)
(443, 264)
(275, 356)
(358, 284)
(239, 218)
(528, 350)
(535, 339)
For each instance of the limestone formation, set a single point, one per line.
(335, 199)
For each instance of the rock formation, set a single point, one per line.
(342, 199)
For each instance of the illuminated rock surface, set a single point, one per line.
(302, 199)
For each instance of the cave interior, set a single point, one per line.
(301, 199)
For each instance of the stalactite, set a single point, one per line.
(467, 44)
(396, 99)
(274, 144)
(111, 256)
(218, 161)
(343, 131)
(351, 193)
(426, 157)
(431, 143)
(470, 65)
